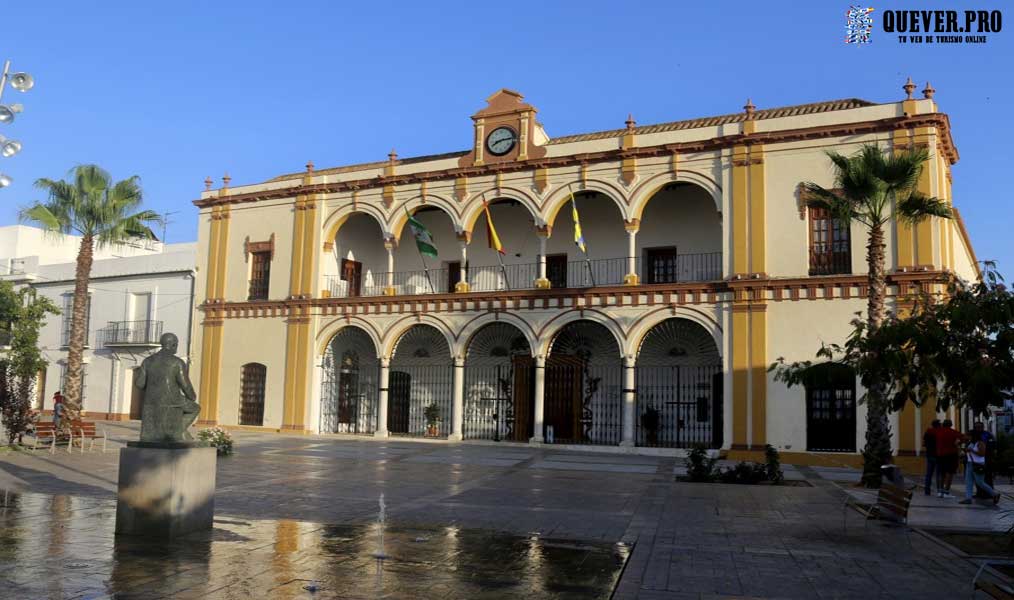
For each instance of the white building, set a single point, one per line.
(138, 291)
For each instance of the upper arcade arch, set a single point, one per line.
(400, 212)
(493, 195)
(559, 198)
(647, 189)
(341, 215)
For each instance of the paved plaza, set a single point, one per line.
(296, 517)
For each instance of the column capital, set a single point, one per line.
(385, 362)
(390, 243)
(632, 226)
(629, 361)
(459, 362)
(540, 361)
(464, 236)
(544, 231)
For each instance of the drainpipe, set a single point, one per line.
(190, 317)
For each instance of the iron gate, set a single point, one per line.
(412, 389)
(583, 401)
(499, 403)
(349, 384)
(679, 406)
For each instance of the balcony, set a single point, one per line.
(574, 274)
(137, 334)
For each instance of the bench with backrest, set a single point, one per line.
(79, 430)
(892, 504)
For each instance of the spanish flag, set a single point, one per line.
(578, 236)
(491, 236)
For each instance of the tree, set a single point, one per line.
(22, 314)
(88, 204)
(870, 189)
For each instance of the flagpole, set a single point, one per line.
(587, 261)
(499, 257)
(426, 268)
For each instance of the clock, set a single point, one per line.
(501, 141)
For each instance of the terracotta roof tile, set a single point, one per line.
(770, 113)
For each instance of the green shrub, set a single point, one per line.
(773, 465)
(745, 473)
(701, 467)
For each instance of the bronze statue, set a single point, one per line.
(170, 404)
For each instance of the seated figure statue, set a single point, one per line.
(170, 404)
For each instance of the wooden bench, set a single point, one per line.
(82, 430)
(43, 430)
(892, 504)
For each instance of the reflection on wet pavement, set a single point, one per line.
(56, 546)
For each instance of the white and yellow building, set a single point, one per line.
(703, 266)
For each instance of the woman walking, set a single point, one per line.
(975, 470)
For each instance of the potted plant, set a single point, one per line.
(650, 422)
(432, 414)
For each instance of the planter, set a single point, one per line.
(431, 430)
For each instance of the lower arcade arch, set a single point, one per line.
(583, 402)
(499, 398)
(349, 383)
(678, 387)
(420, 384)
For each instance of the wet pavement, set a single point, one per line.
(296, 517)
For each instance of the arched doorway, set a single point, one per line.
(679, 387)
(421, 383)
(680, 236)
(831, 408)
(583, 400)
(349, 386)
(498, 401)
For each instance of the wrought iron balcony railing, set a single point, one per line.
(561, 274)
(132, 333)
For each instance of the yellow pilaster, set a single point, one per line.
(740, 211)
(298, 229)
(758, 375)
(903, 231)
(212, 269)
(211, 338)
(924, 230)
(222, 253)
(311, 231)
(758, 218)
(740, 373)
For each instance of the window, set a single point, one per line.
(68, 311)
(831, 409)
(830, 244)
(251, 406)
(660, 265)
(260, 274)
(352, 272)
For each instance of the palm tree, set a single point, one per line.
(88, 204)
(871, 187)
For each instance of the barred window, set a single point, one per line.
(260, 275)
(830, 244)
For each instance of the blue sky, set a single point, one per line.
(174, 92)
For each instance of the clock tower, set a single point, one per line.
(505, 131)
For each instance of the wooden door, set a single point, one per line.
(556, 270)
(524, 398)
(352, 272)
(453, 275)
(398, 399)
(660, 265)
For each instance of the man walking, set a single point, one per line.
(975, 469)
(947, 457)
(929, 442)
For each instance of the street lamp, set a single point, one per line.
(21, 82)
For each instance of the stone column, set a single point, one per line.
(458, 400)
(538, 414)
(385, 377)
(461, 287)
(543, 233)
(629, 398)
(632, 226)
(390, 244)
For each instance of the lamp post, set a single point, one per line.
(21, 82)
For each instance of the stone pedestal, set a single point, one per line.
(166, 489)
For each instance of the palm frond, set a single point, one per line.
(901, 171)
(918, 206)
(39, 213)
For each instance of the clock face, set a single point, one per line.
(501, 141)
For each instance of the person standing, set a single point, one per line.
(57, 409)
(929, 442)
(947, 440)
(975, 470)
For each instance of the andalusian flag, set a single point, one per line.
(423, 238)
(491, 236)
(578, 236)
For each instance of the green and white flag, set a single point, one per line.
(423, 238)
